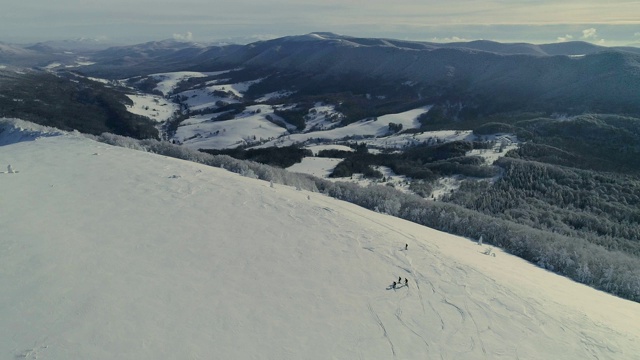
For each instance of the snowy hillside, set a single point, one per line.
(152, 106)
(112, 253)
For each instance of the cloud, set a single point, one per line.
(565, 38)
(448, 39)
(637, 34)
(183, 37)
(590, 33)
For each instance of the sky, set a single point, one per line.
(607, 23)
(115, 253)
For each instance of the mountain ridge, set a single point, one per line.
(575, 76)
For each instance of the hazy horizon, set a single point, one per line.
(610, 24)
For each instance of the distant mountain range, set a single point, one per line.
(578, 76)
(487, 76)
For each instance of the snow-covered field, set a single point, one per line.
(374, 131)
(201, 132)
(110, 253)
(152, 106)
(168, 81)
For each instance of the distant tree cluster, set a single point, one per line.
(333, 153)
(352, 165)
(282, 157)
(295, 117)
(395, 128)
(145, 84)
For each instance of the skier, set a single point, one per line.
(399, 280)
(394, 285)
(406, 282)
(406, 246)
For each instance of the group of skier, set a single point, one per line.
(406, 282)
(399, 282)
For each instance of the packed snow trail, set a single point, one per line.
(110, 253)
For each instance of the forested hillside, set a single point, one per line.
(70, 102)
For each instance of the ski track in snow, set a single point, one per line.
(376, 318)
(470, 313)
(399, 258)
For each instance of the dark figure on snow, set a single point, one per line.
(394, 284)
(399, 280)
(406, 282)
(406, 246)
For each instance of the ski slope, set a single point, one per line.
(112, 253)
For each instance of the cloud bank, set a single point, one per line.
(501, 20)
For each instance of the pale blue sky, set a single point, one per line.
(614, 22)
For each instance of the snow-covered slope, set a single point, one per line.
(152, 106)
(111, 253)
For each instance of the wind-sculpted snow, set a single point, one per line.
(112, 253)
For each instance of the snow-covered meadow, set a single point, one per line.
(109, 252)
(152, 106)
(167, 82)
(251, 126)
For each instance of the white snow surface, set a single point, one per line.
(237, 89)
(167, 82)
(250, 126)
(112, 253)
(200, 99)
(316, 166)
(364, 128)
(154, 107)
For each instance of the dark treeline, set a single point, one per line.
(595, 142)
(282, 157)
(603, 208)
(591, 141)
(68, 102)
